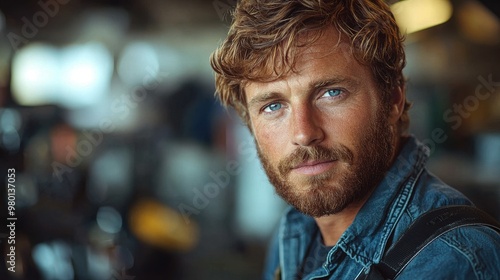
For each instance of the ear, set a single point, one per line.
(397, 106)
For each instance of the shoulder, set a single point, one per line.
(430, 192)
(292, 225)
(271, 263)
(471, 252)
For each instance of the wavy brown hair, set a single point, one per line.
(264, 37)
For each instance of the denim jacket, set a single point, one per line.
(407, 191)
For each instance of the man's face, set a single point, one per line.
(322, 134)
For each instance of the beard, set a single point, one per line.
(353, 176)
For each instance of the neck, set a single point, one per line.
(333, 226)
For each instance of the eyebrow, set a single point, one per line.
(263, 98)
(329, 82)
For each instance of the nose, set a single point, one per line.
(306, 126)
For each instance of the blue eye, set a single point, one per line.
(332, 92)
(272, 107)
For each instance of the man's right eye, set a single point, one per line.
(272, 107)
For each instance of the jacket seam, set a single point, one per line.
(468, 256)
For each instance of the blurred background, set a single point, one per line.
(126, 167)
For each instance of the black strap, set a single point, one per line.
(427, 228)
(424, 230)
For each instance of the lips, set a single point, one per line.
(314, 160)
(313, 167)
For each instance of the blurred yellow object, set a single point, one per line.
(416, 15)
(158, 225)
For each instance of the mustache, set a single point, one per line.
(315, 153)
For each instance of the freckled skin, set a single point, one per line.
(307, 119)
(295, 112)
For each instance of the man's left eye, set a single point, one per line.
(332, 92)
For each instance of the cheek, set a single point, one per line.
(271, 139)
(349, 125)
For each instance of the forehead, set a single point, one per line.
(321, 55)
(323, 44)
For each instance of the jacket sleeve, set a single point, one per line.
(271, 263)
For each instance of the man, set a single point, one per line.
(319, 84)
